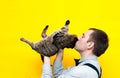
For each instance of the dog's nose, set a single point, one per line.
(74, 42)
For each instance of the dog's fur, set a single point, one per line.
(51, 44)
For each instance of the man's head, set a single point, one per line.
(94, 40)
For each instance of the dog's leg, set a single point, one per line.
(65, 28)
(43, 36)
(28, 42)
(44, 32)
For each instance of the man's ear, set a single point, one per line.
(90, 44)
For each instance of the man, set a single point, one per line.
(90, 45)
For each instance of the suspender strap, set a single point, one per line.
(101, 72)
(92, 66)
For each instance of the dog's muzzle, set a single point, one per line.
(72, 42)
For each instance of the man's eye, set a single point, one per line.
(83, 36)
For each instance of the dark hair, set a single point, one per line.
(100, 39)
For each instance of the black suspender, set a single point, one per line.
(92, 66)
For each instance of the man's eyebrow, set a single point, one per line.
(83, 34)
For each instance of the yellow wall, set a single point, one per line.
(27, 18)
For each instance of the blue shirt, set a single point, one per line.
(79, 71)
(46, 71)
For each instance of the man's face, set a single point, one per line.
(81, 44)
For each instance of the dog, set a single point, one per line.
(51, 44)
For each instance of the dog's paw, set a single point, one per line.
(22, 39)
(67, 22)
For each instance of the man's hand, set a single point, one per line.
(46, 60)
(59, 56)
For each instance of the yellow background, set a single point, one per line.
(27, 18)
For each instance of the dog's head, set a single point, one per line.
(63, 40)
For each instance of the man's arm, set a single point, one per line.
(57, 67)
(46, 69)
(59, 56)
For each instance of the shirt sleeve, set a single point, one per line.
(57, 69)
(46, 71)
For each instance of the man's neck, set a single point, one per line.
(86, 54)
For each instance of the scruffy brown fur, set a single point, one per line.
(51, 44)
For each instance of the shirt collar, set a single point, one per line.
(93, 57)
